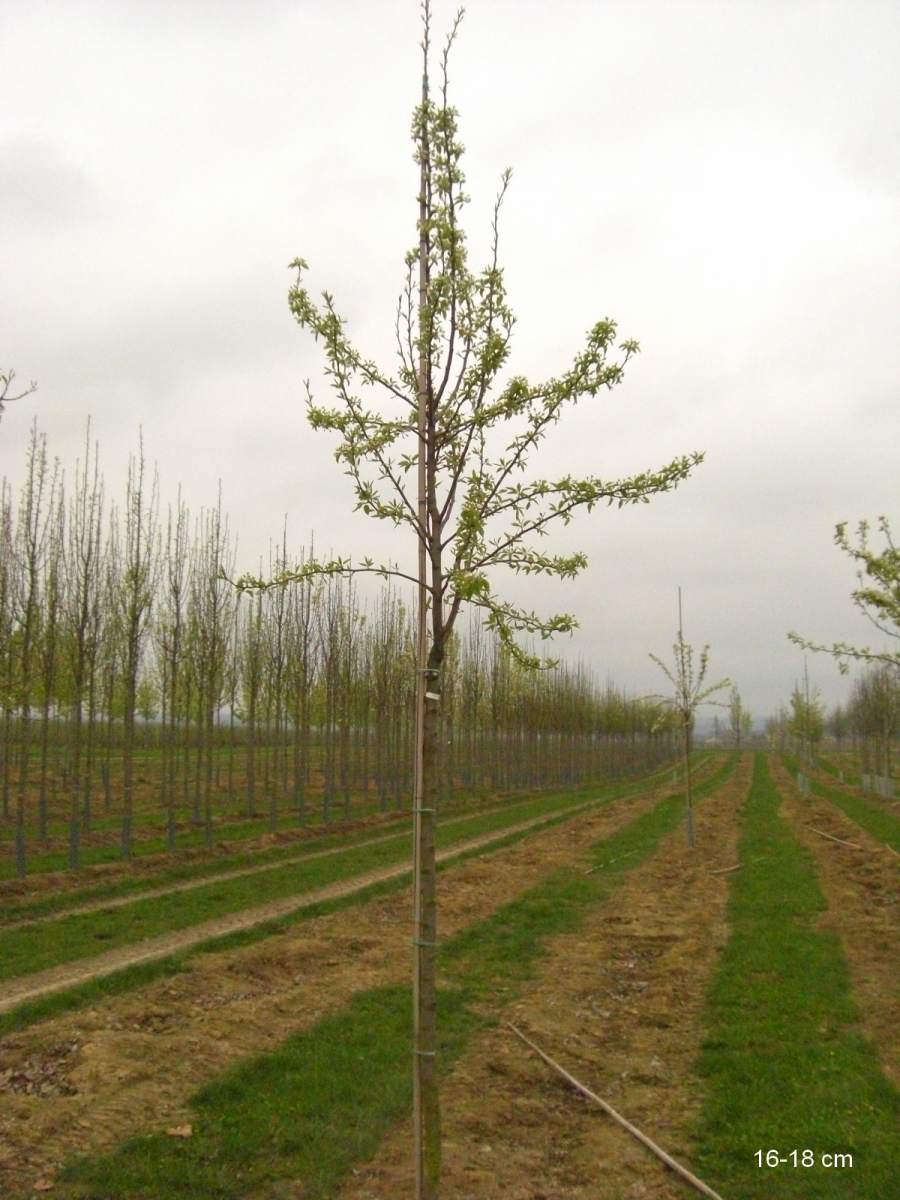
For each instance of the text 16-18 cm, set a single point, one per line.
(801, 1158)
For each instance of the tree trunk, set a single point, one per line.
(689, 799)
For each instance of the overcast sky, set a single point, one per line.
(721, 177)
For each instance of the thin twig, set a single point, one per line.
(619, 1119)
(832, 838)
(610, 862)
(736, 867)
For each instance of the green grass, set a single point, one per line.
(226, 828)
(134, 885)
(27, 949)
(323, 1100)
(785, 1063)
(144, 846)
(869, 815)
(155, 847)
(129, 978)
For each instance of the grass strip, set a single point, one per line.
(785, 1063)
(322, 1101)
(24, 950)
(844, 774)
(869, 815)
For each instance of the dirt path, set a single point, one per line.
(619, 1004)
(85, 1080)
(861, 887)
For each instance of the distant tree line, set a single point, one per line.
(137, 686)
(868, 723)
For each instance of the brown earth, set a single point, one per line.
(861, 888)
(138, 1057)
(620, 1005)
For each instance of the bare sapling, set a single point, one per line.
(689, 693)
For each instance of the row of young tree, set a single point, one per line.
(138, 685)
(868, 723)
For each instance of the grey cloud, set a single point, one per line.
(41, 187)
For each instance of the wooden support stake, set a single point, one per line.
(620, 1120)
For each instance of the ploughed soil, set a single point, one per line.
(861, 888)
(84, 1081)
(619, 1004)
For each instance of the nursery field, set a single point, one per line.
(239, 1027)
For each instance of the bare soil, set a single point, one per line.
(619, 1004)
(139, 1056)
(861, 888)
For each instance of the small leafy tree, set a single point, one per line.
(740, 721)
(427, 461)
(838, 724)
(873, 713)
(689, 693)
(877, 597)
(807, 720)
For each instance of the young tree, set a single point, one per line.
(170, 636)
(30, 549)
(807, 720)
(428, 461)
(689, 694)
(140, 566)
(83, 589)
(740, 722)
(838, 724)
(49, 648)
(877, 597)
(874, 713)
